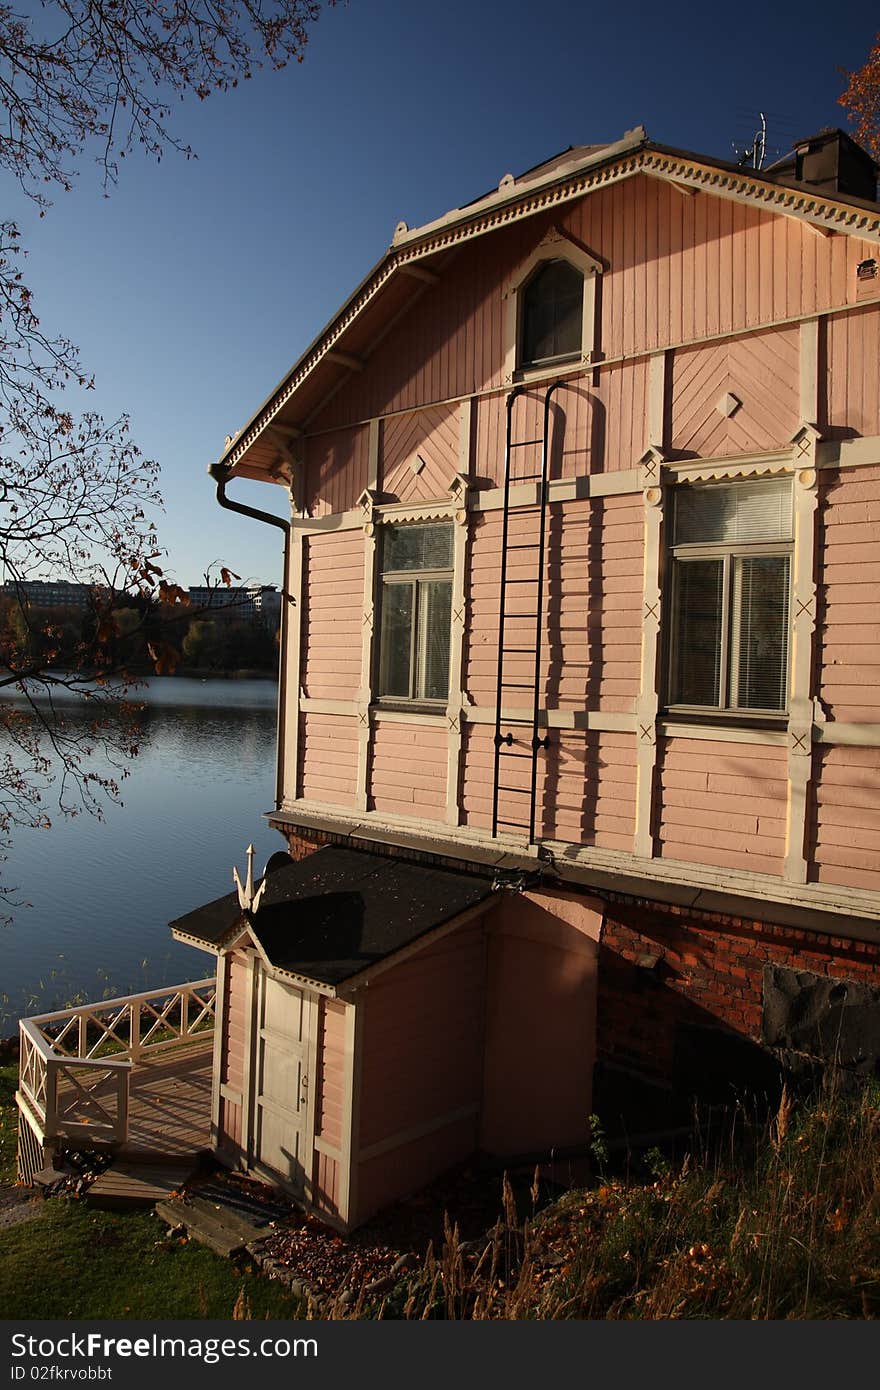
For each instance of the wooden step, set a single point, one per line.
(127, 1185)
(225, 1232)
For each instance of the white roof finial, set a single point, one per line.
(248, 900)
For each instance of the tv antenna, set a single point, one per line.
(753, 156)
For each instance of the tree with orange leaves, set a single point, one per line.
(862, 100)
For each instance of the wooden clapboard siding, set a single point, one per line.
(408, 769)
(405, 1169)
(330, 1099)
(853, 378)
(677, 269)
(722, 803)
(618, 422)
(233, 1065)
(846, 816)
(761, 370)
(327, 1184)
(541, 1007)
(578, 428)
(337, 467)
(450, 342)
(585, 789)
(428, 439)
(332, 615)
(328, 758)
(235, 1007)
(592, 604)
(850, 654)
(422, 1040)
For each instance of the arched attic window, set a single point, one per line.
(551, 315)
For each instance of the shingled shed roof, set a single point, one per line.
(339, 911)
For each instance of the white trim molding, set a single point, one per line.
(367, 503)
(802, 627)
(648, 702)
(555, 246)
(460, 493)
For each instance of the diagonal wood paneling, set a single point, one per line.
(761, 370)
(433, 436)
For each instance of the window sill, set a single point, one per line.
(725, 725)
(418, 709)
(546, 371)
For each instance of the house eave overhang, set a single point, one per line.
(514, 201)
(851, 914)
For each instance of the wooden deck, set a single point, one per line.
(170, 1103)
(169, 1109)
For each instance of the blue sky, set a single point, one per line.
(196, 284)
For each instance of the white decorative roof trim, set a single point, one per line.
(823, 211)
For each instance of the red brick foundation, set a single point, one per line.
(300, 846)
(699, 969)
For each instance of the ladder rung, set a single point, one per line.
(517, 685)
(524, 443)
(520, 791)
(531, 545)
(522, 581)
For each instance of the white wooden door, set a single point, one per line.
(284, 1033)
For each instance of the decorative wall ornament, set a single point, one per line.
(728, 404)
(727, 468)
(650, 466)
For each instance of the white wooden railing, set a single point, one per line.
(75, 1064)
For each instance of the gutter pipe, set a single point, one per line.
(221, 474)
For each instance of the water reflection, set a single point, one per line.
(101, 893)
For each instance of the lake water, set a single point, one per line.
(102, 893)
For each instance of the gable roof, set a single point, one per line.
(417, 255)
(331, 916)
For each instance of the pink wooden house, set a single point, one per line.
(579, 751)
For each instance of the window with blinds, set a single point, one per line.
(729, 597)
(415, 604)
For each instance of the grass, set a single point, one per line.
(71, 1261)
(74, 1262)
(784, 1223)
(8, 1123)
(780, 1221)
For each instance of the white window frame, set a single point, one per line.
(727, 552)
(413, 579)
(556, 246)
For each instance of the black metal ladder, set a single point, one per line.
(511, 747)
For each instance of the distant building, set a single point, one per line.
(50, 593)
(249, 603)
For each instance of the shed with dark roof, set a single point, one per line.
(382, 1019)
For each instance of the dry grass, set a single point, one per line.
(783, 1223)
